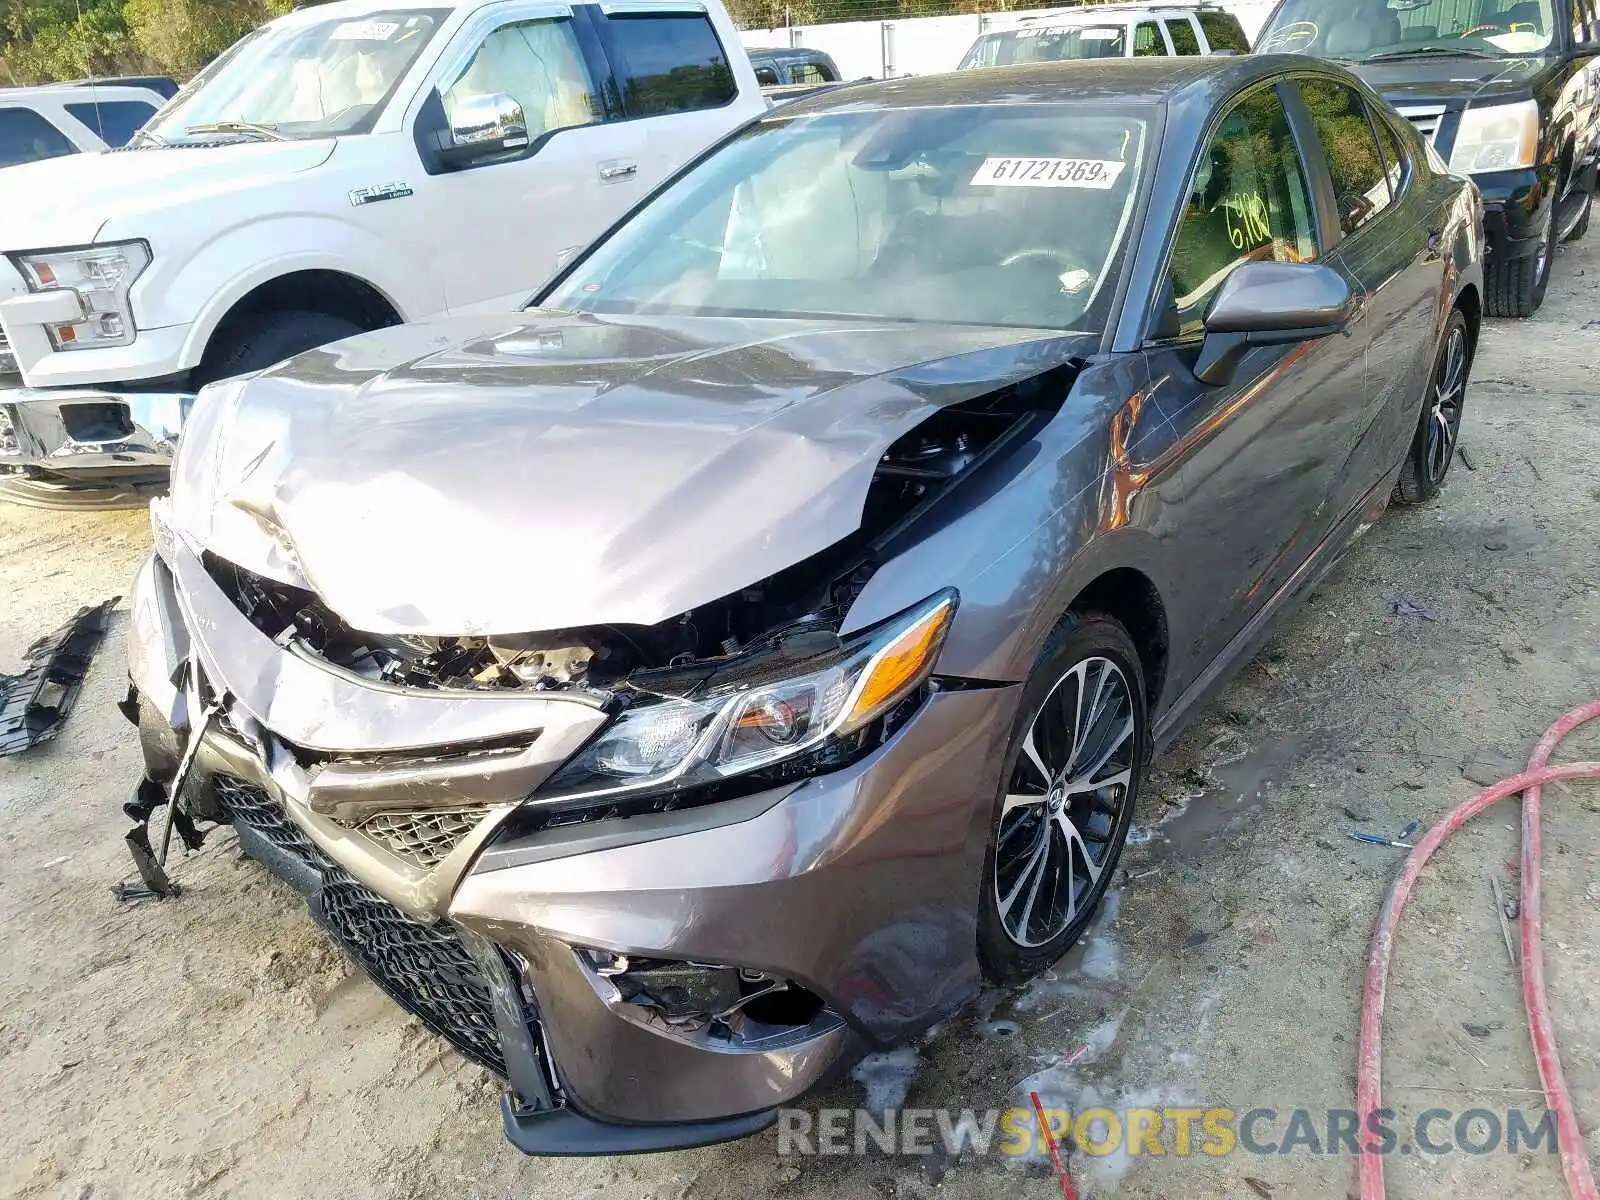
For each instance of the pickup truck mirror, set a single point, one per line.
(483, 127)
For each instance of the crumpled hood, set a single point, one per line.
(67, 201)
(1448, 80)
(529, 472)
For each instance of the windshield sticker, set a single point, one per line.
(1098, 174)
(364, 31)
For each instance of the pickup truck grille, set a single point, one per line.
(1426, 117)
(8, 361)
(426, 969)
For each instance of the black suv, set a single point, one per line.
(1508, 93)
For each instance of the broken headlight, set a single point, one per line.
(671, 744)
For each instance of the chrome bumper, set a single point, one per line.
(88, 438)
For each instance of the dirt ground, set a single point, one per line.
(219, 1046)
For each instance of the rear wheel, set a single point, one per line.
(1517, 288)
(1433, 448)
(1071, 780)
(262, 340)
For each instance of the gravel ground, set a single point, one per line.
(219, 1045)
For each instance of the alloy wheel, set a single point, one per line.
(1064, 802)
(1444, 420)
(1547, 243)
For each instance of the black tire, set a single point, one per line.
(1517, 288)
(1582, 227)
(1079, 642)
(1433, 446)
(262, 340)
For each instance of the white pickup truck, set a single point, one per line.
(346, 167)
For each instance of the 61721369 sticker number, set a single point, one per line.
(1098, 174)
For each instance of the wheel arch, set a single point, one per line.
(1131, 598)
(334, 293)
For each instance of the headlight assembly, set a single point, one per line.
(810, 711)
(102, 277)
(1497, 137)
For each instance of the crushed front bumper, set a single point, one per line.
(87, 447)
(861, 887)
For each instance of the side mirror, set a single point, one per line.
(484, 126)
(1271, 304)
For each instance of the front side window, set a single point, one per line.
(994, 215)
(670, 63)
(539, 65)
(25, 136)
(301, 79)
(1368, 30)
(1047, 43)
(1223, 31)
(1248, 203)
(1360, 187)
(1147, 39)
(1183, 36)
(114, 121)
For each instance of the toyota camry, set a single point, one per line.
(718, 670)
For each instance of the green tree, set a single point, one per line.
(181, 36)
(64, 39)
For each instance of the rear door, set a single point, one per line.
(1247, 478)
(1400, 264)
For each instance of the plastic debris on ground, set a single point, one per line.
(34, 704)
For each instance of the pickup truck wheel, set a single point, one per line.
(263, 340)
(1516, 289)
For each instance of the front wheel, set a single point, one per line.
(1433, 446)
(1516, 288)
(263, 340)
(1071, 779)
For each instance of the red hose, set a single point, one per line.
(1574, 1160)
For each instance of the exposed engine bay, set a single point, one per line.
(798, 610)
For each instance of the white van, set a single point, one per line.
(1110, 31)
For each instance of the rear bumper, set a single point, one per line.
(83, 442)
(860, 888)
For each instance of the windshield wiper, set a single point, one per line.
(146, 135)
(1427, 52)
(267, 133)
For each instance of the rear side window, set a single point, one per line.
(114, 122)
(25, 136)
(1184, 40)
(1147, 39)
(1394, 159)
(767, 76)
(1360, 187)
(669, 63)
(1224, 32)
(809, 73)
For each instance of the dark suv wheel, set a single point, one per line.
(1516, 288)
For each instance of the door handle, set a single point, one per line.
(613, 171)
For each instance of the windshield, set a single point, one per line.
(1046, 43)
(301, 80)
(992, 215)
(1363, 30)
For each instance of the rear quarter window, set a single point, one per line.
(669, 63)
(114, 122)
(26, 136)
(1183, 36)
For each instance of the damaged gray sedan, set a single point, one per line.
(717, 671)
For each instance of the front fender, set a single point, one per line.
(209, 279)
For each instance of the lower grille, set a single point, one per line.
(422, 838)
(426, 969)
(8, 361)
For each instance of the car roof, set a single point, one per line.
(1149, 80)
(78, 93)
(1091, 14)
(784, 52)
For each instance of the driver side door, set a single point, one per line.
(1241, 489)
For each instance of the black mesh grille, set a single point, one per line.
(426, 969)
